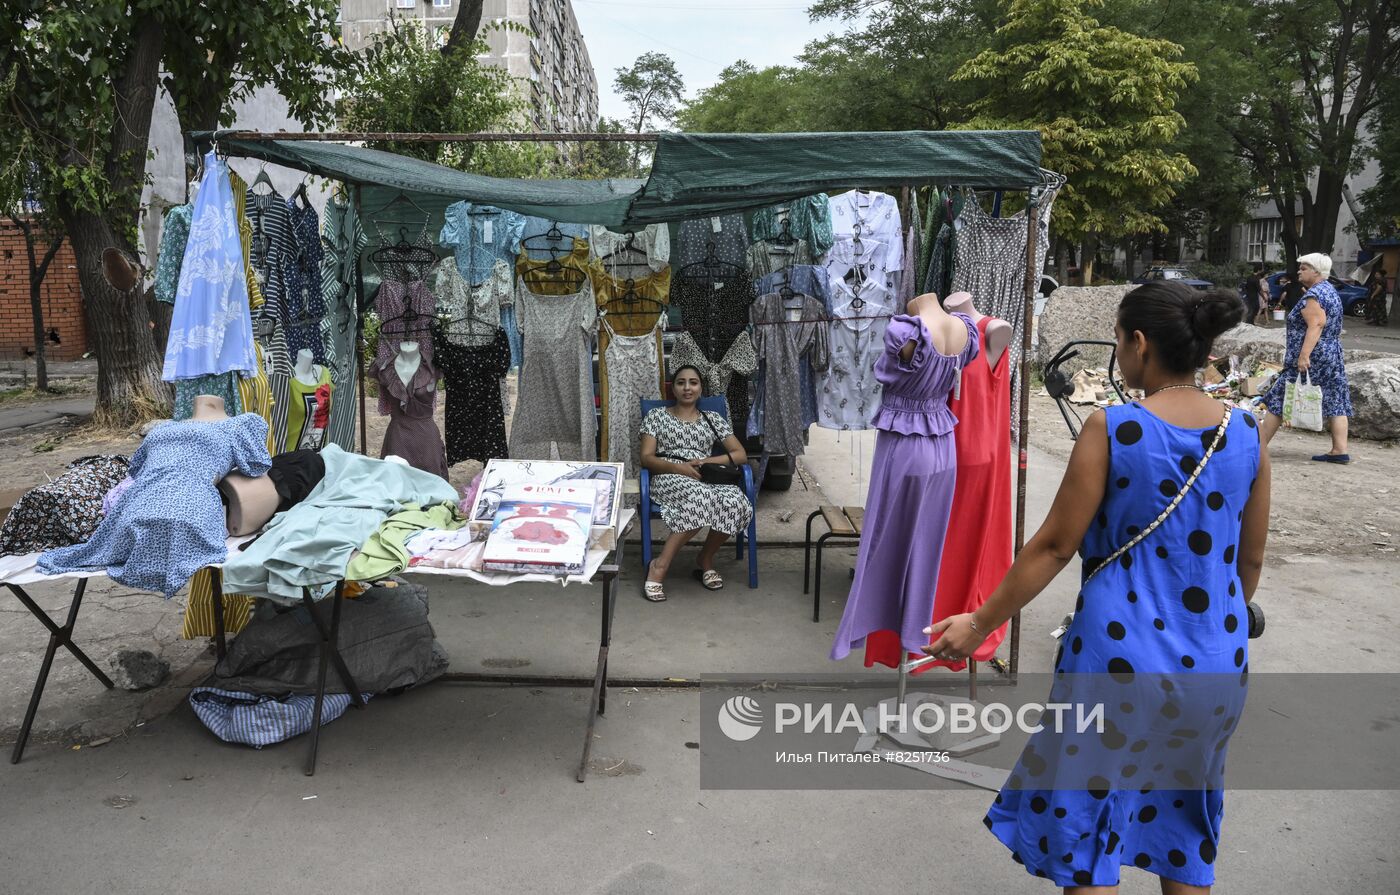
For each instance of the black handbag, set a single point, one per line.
(730, 473)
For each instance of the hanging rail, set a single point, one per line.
(347, 136)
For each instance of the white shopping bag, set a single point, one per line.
(1302, 404)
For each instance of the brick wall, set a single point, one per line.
(62, 299)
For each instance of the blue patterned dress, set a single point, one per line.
(170, 523)
(1173, 605)
(1327, 365)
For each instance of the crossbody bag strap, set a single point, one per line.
(1176, 501)
(718, 440)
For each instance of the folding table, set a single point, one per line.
(18, 571)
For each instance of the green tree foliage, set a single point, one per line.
(409, 85)
(751, 100)
(1317, 71)
(80, 81)
(1380, 205)
(653, 90)
(1104, 101)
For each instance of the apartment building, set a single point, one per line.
(551, 60)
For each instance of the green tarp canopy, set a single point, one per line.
(692, 175)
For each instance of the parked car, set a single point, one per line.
(1353, 296)
(1180, 274)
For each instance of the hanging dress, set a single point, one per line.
(911, 489)
(210, 328)
(990, 263)
(271, 236)
(1173, 606)
(474, 416)
(715, 314)
(631, 365)
(343, 240)
(412, 432)
(787, 342)
(726, 234)
(977, 549)
(554, 408)
(861, 303)
(303, 305)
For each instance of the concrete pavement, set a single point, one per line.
(470, 788)
(24, 416)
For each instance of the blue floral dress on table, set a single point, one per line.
(1173, 605)
(1326, 366)
(170, 523)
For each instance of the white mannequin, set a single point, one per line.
(407, 363)
(306, 371)
(999, 332)
(949, 335)
(208, 409)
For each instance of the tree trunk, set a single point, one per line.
(129, 387)
(1062, 260)
(465, 26)
(38, 269)
(1088, 254)
(1320, 226)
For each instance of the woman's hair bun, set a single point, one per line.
(1216, 311)
(1179, 321)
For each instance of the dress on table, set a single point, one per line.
(787, 349)
(1326, 365)
(412, 433)
(687, 504)
(171, 522)
(977, 550)
(1176, 607)
(911, 489)
(554, 408)
(474, 416)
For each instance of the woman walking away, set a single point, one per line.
(1315, 347)
(1173, 602)
(676, 442)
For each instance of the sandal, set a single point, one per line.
(1333, 458)
(708, 578)
(654, 591)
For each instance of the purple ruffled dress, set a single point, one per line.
(911, 489)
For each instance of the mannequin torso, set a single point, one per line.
(306, 370)
(999, 332)
(407, 363)
(209, 409)
(949, 336)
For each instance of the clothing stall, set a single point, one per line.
(601, 252)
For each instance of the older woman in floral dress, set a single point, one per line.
(1315, 348)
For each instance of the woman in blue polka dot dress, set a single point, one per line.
(1174, 604)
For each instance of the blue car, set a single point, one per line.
(1353, 296)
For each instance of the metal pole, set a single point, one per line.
(1024, 411)
(356, 137)
(360, 325)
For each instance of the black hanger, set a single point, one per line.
(262, 178)
(711, 267)
(784, 237)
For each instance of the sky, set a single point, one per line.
(703, 37)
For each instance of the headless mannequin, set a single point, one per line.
(999, 332)
(306, 370)
(208, 409)
(407, 363)
(949, 336)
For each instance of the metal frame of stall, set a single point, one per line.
(1032, 278)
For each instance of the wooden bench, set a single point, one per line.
(841, 522)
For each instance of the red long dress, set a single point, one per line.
(977, 550)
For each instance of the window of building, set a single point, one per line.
(406, 4)
(1262, 239)
(441, 4)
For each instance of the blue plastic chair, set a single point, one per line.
(720, 406)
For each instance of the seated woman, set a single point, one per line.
(676, 442)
